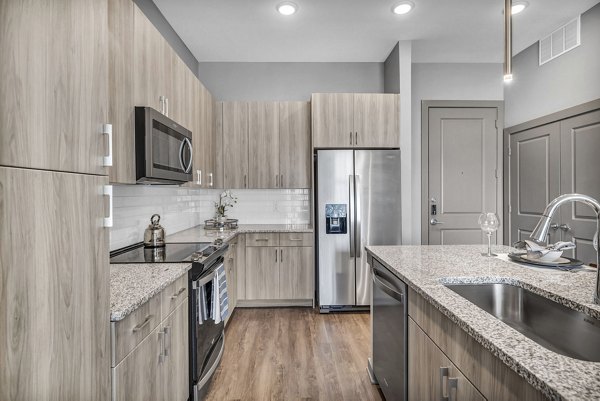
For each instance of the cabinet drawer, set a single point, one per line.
(262, 239)
(296, 239)
(129, 332)
(174, 294)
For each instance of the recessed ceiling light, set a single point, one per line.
(287, 8)
(518, 7)
(403, 8)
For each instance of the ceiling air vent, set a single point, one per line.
(562, 40)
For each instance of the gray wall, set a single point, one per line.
(288, 81)
(391, 71)
(158, 20)
(454, 81)
(564, 82)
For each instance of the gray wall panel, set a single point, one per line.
(391, 71)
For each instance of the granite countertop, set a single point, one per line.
(426, 268)
(199, 234)
(131, 285)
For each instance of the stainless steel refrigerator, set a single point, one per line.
(357, 204)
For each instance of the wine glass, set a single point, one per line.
(489, 223)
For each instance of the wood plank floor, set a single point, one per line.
(294, 354)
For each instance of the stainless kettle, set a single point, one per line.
(154, 236)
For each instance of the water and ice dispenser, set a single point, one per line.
(336, 218)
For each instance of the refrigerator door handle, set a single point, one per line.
(351, 213)
(357, 216)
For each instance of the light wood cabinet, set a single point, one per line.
(205, 141)
(235, 144)
(355, 120)
(332, 120)
(240, 267)
(296, 273)
(230, 264)
(54, 91)
(54, 286)
(431, 375)
(466, 358)
(217, 130)
(120, 85)
(263, 144)
(157, 368)
(262, 268)
(376, 120)
(294, 145)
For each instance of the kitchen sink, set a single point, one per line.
(548, 323)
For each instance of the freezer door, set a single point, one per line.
(378, 221)
(336, 267)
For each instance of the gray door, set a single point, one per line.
(378, 212)
(336, 265)
(534, 178)
(463, 158)
(580, 166)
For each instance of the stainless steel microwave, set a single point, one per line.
(163, 149)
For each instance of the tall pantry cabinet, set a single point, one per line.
(54, 271)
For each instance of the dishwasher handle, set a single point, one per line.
(384, 286)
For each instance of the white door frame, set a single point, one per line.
(429, 104)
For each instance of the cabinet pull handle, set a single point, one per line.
(351, 138)
(167, 106)
(281, 181)
(210, 179)
(281, 255)
(161, 352)
(107, 130)
(198, 177)
(356, 138)
(178, 293)
(452, 388)
(108, 191)
(295, 239)
(443, 383)
(167, 330)
(143, 324)
(245, 181)
(261, 239)
(275, 254)
(276, 180)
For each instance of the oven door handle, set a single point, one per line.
(205, 279)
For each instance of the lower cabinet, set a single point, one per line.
(431, 375)
(262, 266)
(230, 264)
(296, 273)
(157, 368)
(444, 361)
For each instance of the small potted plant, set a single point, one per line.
(226, 200)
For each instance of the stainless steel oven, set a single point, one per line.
(163, 149)
(207, 338)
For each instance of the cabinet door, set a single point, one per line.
(54, 90)
(263, 144)
(240, 267)
(229, 264)
(580, 147)
(54, 287)
(534, 178)
(332, 120)
(235, 144)
(426, 380)
(296, 272)
(210, 142)
(175, 368)
(138, 376)
(377, 120)
(149, 62)
(120, 85)
(262, 272)
(294, 145)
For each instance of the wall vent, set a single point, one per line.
(565, 38)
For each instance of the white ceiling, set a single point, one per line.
(359, 30)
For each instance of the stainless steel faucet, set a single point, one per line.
(540, 232)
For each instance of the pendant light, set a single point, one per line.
(508, 40)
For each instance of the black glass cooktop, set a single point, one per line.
(170, 253)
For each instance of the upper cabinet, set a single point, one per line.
(204, 141)
(355, 120)
(263, 141)
(54, 92)
(294, 145)
(263, 144)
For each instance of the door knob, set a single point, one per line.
(435, 222)
(565, 227)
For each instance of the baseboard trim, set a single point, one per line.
(267, 303)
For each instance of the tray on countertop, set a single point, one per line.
(563, 263)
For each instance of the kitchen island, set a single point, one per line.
(425, 269)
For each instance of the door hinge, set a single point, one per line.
(509, 151)
(496, 173)
(496, 124)
(509, 208)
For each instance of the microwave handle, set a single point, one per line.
(188, 168)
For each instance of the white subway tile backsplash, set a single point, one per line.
(181, 208)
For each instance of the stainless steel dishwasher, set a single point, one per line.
(389, 310)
